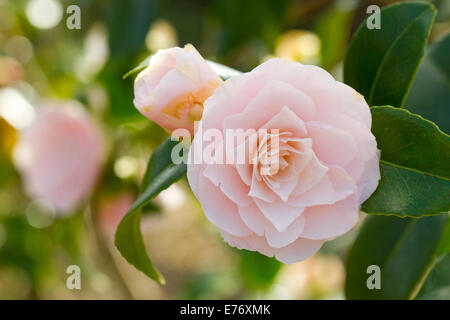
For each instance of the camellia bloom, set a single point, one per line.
(60, 155)
(328, 161)
(172, 89)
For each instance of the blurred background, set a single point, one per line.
(42, 59)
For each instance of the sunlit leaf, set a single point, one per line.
(381, 63)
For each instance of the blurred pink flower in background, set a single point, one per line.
(172, 89)
(60, 155)
(328, 160)
(111, 211)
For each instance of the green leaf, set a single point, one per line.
(381, 63)
(161, 173)
(430, 92)
(141, 66)
(415, 165)
(223, 71)
(404, 249)
(258, 271)
(437, 284)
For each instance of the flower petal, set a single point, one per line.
(299, 250)
(279, 213)
(311, 174)
(370, 178)
(269, 102)
(321, 193)
(228, 180)
(332, 146)
(219, 209)
(329, 221)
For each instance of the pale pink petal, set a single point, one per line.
(277, 239)
(269, 102)
(320, 194)
(169, 89)
(334, 96)
(286, 120)
(312, 174)
(329, 221)
(343, 183)
(260, 244)
(238, 242)
(252, 243)
(260, 190)
(227, 179)
(220, 210)
(254, 219)
(298, 251)
(258, 223)
(279, 213)
(370, 177)
(332, 146)
(282, 188)
(355, 169)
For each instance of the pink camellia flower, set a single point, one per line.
(172, 89)
(328, 161)
(60, 155)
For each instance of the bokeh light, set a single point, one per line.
(15, 108)
(19, 48)
(161, 35)
(44, 14)
(298, 45)
(40, 213)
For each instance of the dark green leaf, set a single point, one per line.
(158, 162)
(161, 173)
(430, 93)
(437, 284)
(404, 249)
(381, 63)
(257, 270)
(415, 165)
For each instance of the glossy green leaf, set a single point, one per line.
(415, 165)
(430, 92)
(381, 63)
(257, 270)
(437, 284)
(404, 249)
(161, 173)
(223, 71)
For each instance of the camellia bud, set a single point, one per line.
(171, 91)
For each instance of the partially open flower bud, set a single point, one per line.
(172, 89)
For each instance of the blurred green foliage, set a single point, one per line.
(238, 33)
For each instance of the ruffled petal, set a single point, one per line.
(329, 221)
(220, 210)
